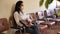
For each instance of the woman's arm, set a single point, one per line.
(16, 17)
(31, 20)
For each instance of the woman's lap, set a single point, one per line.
(33, 30)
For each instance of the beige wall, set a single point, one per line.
(6, 5)
(5, 8)
(29, 6)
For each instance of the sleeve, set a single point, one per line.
(16, 17)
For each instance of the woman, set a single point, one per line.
(19, 16)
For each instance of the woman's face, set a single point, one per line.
(21, 6)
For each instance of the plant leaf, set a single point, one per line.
(46, 4)
(58, 0)
(41, 2)
(50, 1)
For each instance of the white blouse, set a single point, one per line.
(19, 17)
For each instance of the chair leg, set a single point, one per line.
(20, 32)
(24, 31)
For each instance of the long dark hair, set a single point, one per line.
(18, 4)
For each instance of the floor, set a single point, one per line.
(53, 30)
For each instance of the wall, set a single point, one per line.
(6, 7)
(29, 6)
(58, 4)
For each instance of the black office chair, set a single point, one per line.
(18, 28)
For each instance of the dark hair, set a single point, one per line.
(16, 9)
(18, 5)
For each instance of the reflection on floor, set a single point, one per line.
(53, 30)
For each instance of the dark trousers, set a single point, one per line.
(34, 29)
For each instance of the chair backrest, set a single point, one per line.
(36, 14)
(12, 21)
(33, 15)
(45, 13)
(4, 24)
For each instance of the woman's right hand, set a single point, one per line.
(29, 24)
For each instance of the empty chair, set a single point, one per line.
(40, 17)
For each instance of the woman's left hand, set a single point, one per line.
(32, 19)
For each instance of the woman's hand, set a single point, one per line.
(30, 24)
(32, 19)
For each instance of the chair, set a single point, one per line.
(39, 20)
(4, 25)
(16, 27)
(19, 29)
(40, 15)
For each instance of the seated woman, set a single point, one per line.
(19, 16)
